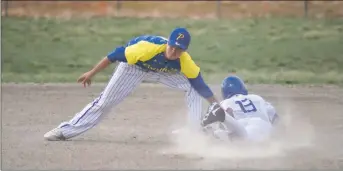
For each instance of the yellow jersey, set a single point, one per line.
(148, 52)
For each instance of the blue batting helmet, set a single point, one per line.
(233, 85)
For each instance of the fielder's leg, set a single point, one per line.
(193, 99)
(125, 79)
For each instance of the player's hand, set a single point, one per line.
(85, 79)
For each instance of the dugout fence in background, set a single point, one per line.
(189, 9)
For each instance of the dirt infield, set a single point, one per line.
(137, 137)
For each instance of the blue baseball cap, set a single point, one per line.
(180, 38)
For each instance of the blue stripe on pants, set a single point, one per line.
(84, 114)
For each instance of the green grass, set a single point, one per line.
(277, 50)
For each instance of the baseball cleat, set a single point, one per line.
(54, 135)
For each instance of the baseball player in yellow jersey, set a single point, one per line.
(146, 57)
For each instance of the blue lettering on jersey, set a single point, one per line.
(160, 64)
(246, 105)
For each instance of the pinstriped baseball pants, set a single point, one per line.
(124, 80)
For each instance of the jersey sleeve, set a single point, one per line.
(273, 116)
(192, 72)
(188, 66)
(118, 54)
(200, 86)
(141, 51)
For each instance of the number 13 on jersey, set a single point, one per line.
(246, 105)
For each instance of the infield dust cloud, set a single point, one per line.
(292, 133)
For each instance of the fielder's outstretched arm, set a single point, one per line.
(86, 78)
(102, 64)
(202, 88)
(116, 55)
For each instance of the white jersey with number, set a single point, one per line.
(250, 106)
(254, 113)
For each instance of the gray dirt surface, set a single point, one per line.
(136, 133)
